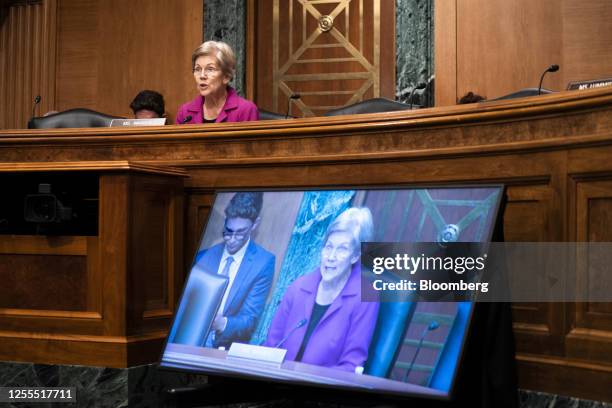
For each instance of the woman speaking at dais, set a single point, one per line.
(321, 319)
(214, 66)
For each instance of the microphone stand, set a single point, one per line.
(432, 326)
(552, 68)
(293, 97)
(36, 102)
(297, 326)
(422, 85)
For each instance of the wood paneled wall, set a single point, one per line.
(27, 71)
(495, 47)
(96, 54)
(110, 50)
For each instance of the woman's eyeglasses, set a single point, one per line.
(208, 71)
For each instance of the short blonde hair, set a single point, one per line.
(357, 221)
(222, 52)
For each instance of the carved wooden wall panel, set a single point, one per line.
(153, 255)
(527, 217)
(333, 53)
(590, 323)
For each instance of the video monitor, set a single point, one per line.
(274, 291)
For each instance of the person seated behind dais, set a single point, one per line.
(321, 319)
(148, 105)
(214, 65)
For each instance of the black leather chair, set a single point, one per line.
(523, 93)
(370, 106)
(267, 115)
(72, 118)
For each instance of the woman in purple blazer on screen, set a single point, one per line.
(321, 319)
(214, 65)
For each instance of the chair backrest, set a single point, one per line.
(370, 106)
(72, 118)
(393, 320)
(267, 115)
(199, 304)
(521, 94)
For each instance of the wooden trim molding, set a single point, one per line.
(119, 165)
(102, 351)
(563, 376)
(50, 314)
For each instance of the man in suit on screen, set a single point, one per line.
(249, 268)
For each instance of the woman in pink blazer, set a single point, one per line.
(321, 319)
(214, 65)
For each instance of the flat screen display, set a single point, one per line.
(274, 290)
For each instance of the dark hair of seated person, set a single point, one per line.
(150, 101)
(471, 97)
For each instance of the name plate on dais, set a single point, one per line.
(259, 354)
(591, 84)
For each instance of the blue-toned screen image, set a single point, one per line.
(275, 289)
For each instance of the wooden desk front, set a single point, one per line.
(102, 299)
